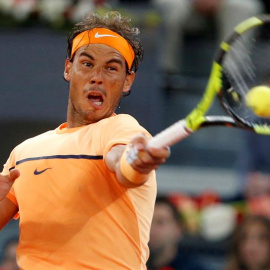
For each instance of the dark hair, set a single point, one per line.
(234, 258)
(113, 21)
(162, 199)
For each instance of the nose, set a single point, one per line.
(96, 76)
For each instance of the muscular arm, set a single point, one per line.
(7, 211)
(7, 208)
(147, 160)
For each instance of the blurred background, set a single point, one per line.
(208, 167)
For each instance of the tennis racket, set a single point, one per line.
(242, 62)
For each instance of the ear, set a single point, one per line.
(67, 71)
(129, 81)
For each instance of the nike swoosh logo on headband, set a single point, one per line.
(97, 35)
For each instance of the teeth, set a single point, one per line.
(98, 103)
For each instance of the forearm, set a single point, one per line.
(127, 172)
(7, 211)
(134, 163)
(128, 176)
(7, 208)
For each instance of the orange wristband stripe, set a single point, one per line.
(127, 170)
(107, 37)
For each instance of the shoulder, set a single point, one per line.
(38, 137)
(35, 142)
(121, 123)
(123, 119)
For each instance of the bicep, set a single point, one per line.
(7, 211)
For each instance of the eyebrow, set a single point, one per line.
(87, 55)
(114, 60)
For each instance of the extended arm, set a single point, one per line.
(7, 208)
(145, 161)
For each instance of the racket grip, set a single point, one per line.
(171, 135)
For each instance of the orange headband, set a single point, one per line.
(107, 37)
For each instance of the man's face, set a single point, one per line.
(165, 230)
(97, 77)
(254, 247)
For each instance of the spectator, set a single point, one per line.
(250, 245)
(254, 165)
(165, 236)
(181, 16)
(9, 261)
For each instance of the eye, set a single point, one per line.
(87, 64)
(112, 68)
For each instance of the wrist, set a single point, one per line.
(132, 175)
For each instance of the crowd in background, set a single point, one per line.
(8, 258)
(55, 13)
(244, 221)
(247, 245)
(61, 14)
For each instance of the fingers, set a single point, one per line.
(13, 175)
(140, 143)
(6, 182)
(145, 159)
(162, 153)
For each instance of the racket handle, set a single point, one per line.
(171, 135)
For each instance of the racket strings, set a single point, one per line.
(239, 67)
(245, 65)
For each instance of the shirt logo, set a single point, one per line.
(36, 172)
(97, 35)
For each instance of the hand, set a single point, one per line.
(6, 181)
(146, 159)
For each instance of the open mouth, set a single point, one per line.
(96, 99)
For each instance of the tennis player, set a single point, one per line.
(85, 192)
